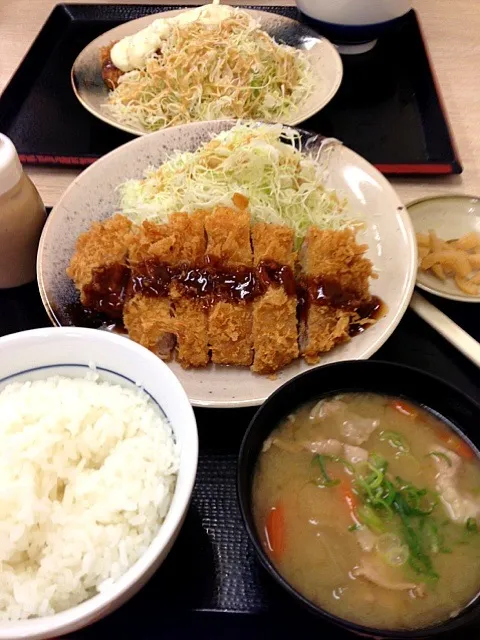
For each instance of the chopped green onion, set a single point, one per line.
(383, 499)
(471, 525)
(440, 455)
(391, 550)
(435, 538)
(370, 519)
(340, 460)
(379, 462)
(353, 527)
(395, 440)
(418, 559)
(386, 542)
(325, 480)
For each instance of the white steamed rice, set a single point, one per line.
(87, 473)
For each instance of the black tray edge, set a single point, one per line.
(18, 85)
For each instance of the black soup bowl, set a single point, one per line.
(458, 411)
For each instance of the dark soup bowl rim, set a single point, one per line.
(444, 400)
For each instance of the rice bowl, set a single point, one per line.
(114, 518)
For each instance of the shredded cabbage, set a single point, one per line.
(233, 69)
(265, 163)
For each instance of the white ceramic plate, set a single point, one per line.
(450, 217)
(326, 65)
(92, 196)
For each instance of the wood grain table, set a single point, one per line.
(452, 30)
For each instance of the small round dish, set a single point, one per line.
(386, 378)
(41, 353)
(325, 61)
(450, 216)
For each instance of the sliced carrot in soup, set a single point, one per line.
(456, 444)
(404, 407)
(275, 531)
(350, 498)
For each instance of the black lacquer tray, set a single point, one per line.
(388, 107)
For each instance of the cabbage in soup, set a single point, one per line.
(370, 508)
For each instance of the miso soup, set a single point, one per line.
(370, 507)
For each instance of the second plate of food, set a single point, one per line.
(243, 258)
(448, 237)
(241, 64)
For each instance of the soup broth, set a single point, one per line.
(370, 507)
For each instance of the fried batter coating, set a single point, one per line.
(335, 256)
(191, 317)
(325, 328)
(228, 234)
(110, 73)
(230, 333)
(273, 242)
(230, 324)
(105, 243)
(169, 313)
(275, 336)
(151, 323)
(181, 241)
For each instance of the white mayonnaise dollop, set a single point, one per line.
(132, 51)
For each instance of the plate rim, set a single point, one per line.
(401, 210)
(456, 297)
(137, 132)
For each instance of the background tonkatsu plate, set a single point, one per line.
(287, 215)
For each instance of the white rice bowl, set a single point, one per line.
(87, 474)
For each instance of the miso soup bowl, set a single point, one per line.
(459, 411)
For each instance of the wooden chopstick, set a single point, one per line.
(447, 328)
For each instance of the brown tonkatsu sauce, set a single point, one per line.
(107, 291)
(323, 291)
(211, 282)
(374, 309)
(110, 73)
(328, 292)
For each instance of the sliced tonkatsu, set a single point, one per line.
(230, 321)
(336, 276)
(210, 286)
(275, 336)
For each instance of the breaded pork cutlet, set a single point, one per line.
(150, 319)
(104, 244)
(230, 323)
(110, 73)
(335, 259)
(275, 336)
(190, 313)
(160, 322)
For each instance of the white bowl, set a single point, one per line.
(353, 25)
(69, 351)
(354, 12)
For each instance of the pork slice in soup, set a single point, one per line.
(370, 507)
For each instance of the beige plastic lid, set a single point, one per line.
(10, 167)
